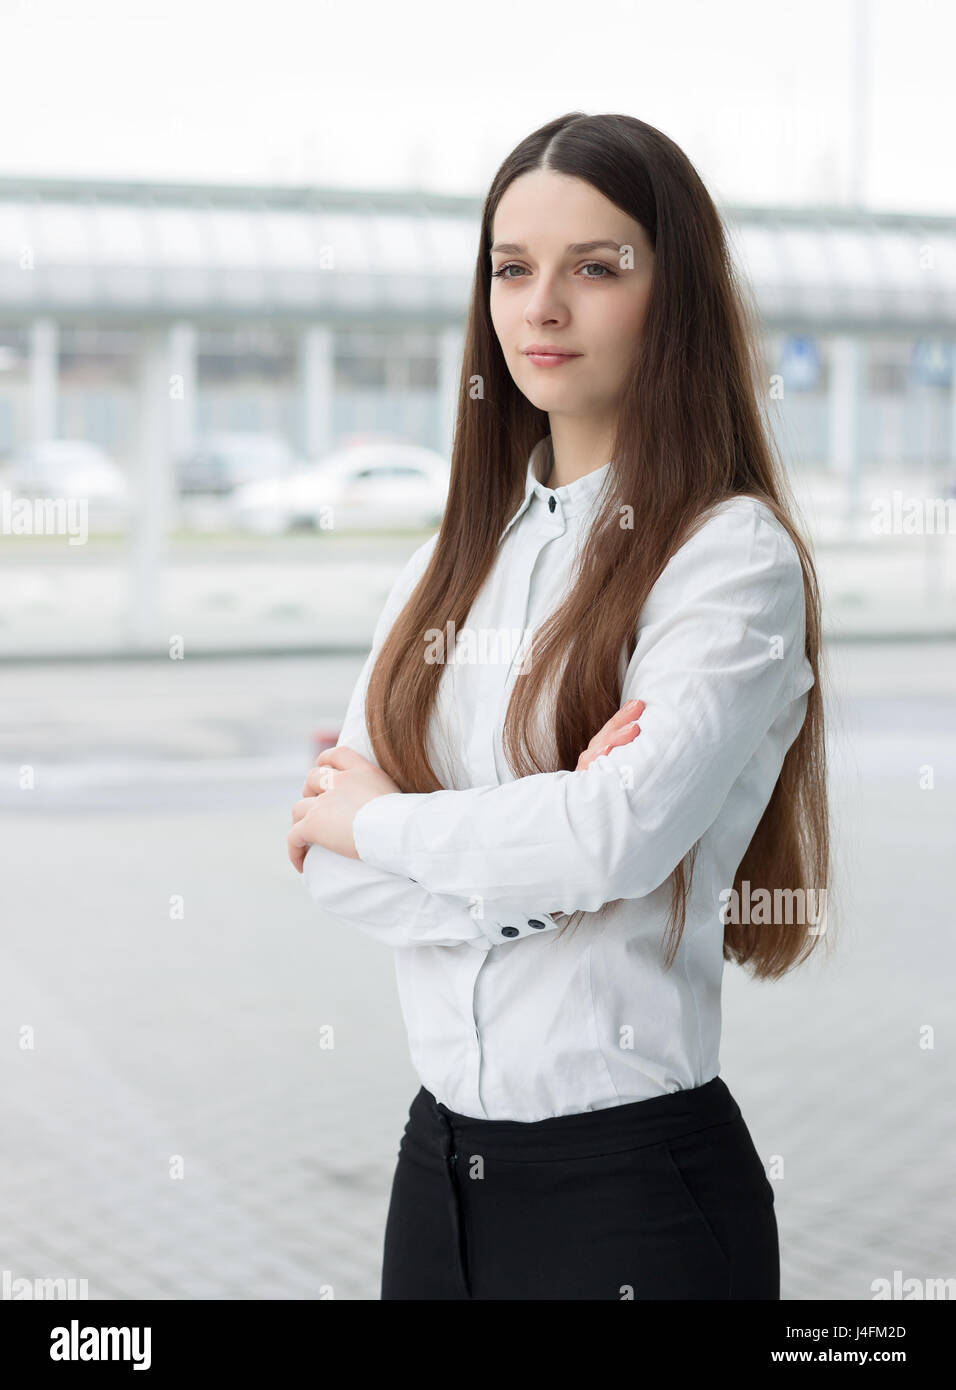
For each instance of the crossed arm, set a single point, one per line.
(719, 656)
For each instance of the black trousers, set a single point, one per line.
(663, 1198)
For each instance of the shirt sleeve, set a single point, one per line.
(719, 657)
(385, 903)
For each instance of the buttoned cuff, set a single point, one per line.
(377, 829)
(507, 924)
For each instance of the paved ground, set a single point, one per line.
(199, 1044)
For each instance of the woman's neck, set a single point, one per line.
(576, 452)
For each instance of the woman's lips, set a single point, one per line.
(551, 359)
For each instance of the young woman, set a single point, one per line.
(561, 870)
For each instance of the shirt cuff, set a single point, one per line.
(376, 828)
(376, 832)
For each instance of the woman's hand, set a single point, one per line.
(619, 729)
(336, 788)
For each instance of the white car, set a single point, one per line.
(72, 469)
(368, 487)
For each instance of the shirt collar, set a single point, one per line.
(571, 499)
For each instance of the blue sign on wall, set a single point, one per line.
(932, 362)
(800, 363)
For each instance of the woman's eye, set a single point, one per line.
(608, 273)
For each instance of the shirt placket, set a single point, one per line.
(524, 616)
(493, 677)
(484, 751)
(467, 973)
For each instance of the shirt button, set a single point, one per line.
(552, 503)
(510, 931)
(533, 922)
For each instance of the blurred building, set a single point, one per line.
(324, 314)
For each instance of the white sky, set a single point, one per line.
(417, 92)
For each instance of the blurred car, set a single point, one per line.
(73, 469)
(221, 461)
(369, 487)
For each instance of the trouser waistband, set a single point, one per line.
(593, 1132)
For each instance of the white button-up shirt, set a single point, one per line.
(506, 1019)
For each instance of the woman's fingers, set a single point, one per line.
(321, 775)
(620, 728)
(319, 779)
(624, 716)
(341, 756)
(297, 850)
(625, 735)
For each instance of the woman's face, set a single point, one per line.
(585, 301)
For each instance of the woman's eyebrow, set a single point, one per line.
(578, 248)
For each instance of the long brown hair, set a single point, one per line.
(690, 433)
